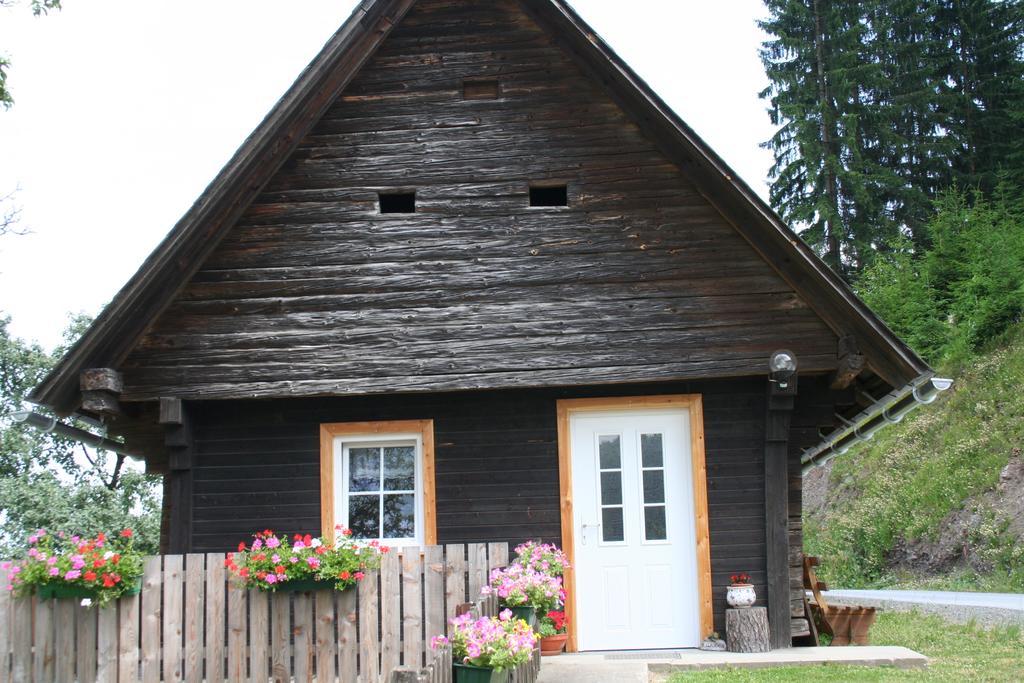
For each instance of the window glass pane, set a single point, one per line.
(611, 488)
(654, 486)
(399, 516)
(654, 524)
(610, 450)
(364, 516)
(363, 469)
(611, 525)
(650, 448)
(399, 468)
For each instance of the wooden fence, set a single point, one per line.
(190, 623)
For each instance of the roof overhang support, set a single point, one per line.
(890, 409)
(51, 425)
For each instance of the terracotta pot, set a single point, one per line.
(553, 645)
(741, 595)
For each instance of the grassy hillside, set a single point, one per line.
(937, 500)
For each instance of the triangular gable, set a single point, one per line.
(166, 272)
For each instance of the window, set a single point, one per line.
(549, 195)
(397, 202)
(652, 473)
(377, 479)
(481, 89)
(609, 450)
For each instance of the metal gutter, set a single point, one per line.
(49, 425)
(890, 409)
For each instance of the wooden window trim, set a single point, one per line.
(331, 431)
(695, 405)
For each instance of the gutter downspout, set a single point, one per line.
(51, 424)
(890, 409)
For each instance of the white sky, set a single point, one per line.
(126, 109)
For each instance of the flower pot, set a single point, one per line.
(304, 585)
(551, 646)
(526, 613)
(49, 591)
(741, 595)
(464, 673)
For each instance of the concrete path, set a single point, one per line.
(989, 609)
(641, 667)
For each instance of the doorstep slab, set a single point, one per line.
(871, 655)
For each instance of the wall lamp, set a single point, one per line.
(781, 367)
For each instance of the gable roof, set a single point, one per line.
(147, 294)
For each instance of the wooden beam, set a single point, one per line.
(776, 496)
(851, 363)
(101, 390)
(180, 445)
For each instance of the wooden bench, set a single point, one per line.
(843, 623)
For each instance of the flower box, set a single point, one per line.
(525, 612)
(465, 673)
(51, 591)
(305, 585)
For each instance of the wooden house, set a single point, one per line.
(471, 280)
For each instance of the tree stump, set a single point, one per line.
(746, 630)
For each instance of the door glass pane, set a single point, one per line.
(364, 516)
(654, 486)
(399, 468)
(611, 525)
(364, 469)
(654, 523)
(399, 516)
(610, 451)
(611, 488)
(651, 450)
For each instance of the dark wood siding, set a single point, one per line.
(257, 466)
(313, 292)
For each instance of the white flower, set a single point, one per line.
(86, 602)
(315, 543)
(107, 555)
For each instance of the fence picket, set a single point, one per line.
(215, 618)
(369, 636)
(5, 628)
(347, 642)
(326, 638)
(21, 640)
(477, 568)
(259, 636)
(302, 638)
(455, 579)
(106, 645)
(390, 613)
(434, 586)
(42, 639)
(85, 626)
(152, 587)
(236, 632)
(280, 643)
(193, 627)
(128, 639)
(412, 608)
(64, 632)
(171, 618)
(497, 556)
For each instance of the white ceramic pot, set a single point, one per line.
(741, 595)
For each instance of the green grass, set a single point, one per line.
(958, 653)
(914, 474)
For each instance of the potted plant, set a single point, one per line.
(552, 633)
(525, 591)
(96, 570)
(303, 563)
(546, 558)
(485, 650)
(740, 594)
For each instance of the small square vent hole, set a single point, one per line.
(549, 195)
(397, 202)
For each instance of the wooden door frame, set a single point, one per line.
(695, 405)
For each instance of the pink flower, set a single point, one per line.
(275, 558)
(273, 542)
(257, 544)
(293, 559)
(313, 561)
(71, 575)
(271, 578)
(54, 571)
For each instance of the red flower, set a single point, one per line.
(241, 547)
(307, 539)
(297, 537)
(126, 533)
(279, 569)
(244, 572)
(345, 575)
(101, 537)
(116, 558)
(321, 549)
(557, 618)
(384, 549)
(97, 563)
(346, 532)
(359, 576)
(108, 581)
(90, 576)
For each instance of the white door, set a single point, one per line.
(635, 540)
